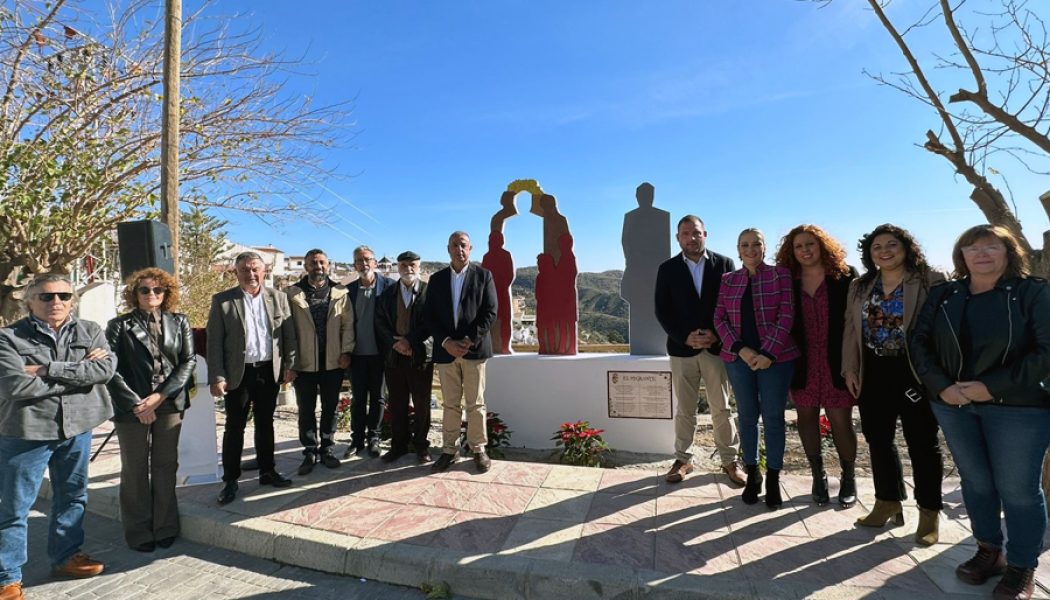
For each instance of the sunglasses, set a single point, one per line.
(50, 296)
(157, 291)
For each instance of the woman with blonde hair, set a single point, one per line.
(150, 391)
(982, 347)
(753, 318)
(821, 285)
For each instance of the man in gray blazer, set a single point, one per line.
(251, 347)
(53, 370)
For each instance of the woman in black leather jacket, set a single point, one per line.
(150, 391)
(982, 347)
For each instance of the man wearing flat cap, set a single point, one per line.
(407, 350)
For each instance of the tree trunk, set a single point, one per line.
(10, 293)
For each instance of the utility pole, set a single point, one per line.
(169, 152)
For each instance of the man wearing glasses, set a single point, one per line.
(366, 365)
(53, 368)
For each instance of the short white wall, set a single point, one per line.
(536, 394)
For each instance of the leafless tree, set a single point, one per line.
(998, 117)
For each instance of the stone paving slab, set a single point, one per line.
(527, 530)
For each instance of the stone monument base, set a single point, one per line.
(535, 394)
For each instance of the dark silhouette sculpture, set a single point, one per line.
(646, 243)
(501, 264)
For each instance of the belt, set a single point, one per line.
(887, 352)
(262, 364)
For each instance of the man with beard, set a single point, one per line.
(686, 293)
(407, 348)
(366, 366)
(324, 328)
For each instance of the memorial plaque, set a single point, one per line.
(639, 394)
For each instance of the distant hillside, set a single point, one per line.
(603, 314)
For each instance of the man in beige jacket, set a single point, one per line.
(324, 327)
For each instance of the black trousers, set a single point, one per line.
(366, 404)
(257, 391)
(307, 385)
(403, 381)
(890, 392)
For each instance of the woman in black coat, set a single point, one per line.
(150, 391)
(982, 347)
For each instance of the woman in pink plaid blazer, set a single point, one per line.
(753, 317)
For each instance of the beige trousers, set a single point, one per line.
(687, 373)
(463, 386)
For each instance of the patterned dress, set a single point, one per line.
(819, 390)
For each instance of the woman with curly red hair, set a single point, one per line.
(821, 285)
(150, 391)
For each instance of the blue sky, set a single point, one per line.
(745, 113)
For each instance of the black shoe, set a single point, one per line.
(252, 464)
(275, 479)
(307, 467)
(820, 479)
(1018, 583)
(773, 499)
(753, 486)
(392, 455)
(146, 547)
(482, 461)
(373, 448)
(423, 457)
(329, 460)
(228, 493)
(166, 542)
(352, 450)
(847, 485)
(445, 461)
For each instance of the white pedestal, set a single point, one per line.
(535, 394)
(198, 452)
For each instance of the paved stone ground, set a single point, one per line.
(186, 570)
(529, 530)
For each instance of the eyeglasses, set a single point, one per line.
(50, 296)
(990, 249)
(157, 291)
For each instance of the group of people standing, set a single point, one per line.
(970, 355)
(60, 377)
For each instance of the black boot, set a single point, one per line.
(847, 485)
(753, 485)
(820, 479)
(773, 499)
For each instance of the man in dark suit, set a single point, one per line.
(686, 293)
(407, 351)
(251, 347)
(366, 364)
(460, 309)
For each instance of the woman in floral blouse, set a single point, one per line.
(883, 304)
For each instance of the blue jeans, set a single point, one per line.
(999, 451)
(762, 393)
(22, 464)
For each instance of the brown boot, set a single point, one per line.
(928, 531)
(883, 511)
(735, 475)
(678, 471)
(987, 563)
(79, 566)
(1017, 584)
(11, 591)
